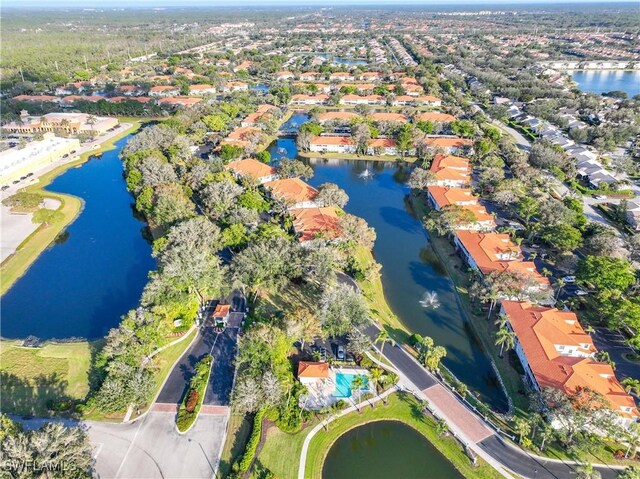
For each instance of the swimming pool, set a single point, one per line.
(343, 384)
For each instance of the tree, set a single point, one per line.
(355, 230)
(358, 342)
(463, 128)
(562, 237)
(361, 135)
(47, 217)
(420, 178)
(378, 377)
(357, 383)
(630, 472)
(23, 200)
(383, 338)
(605, 273)
(404, 139)
(505, 339)
(330, 194)
(543, 155)
(447, 219)
(230, 152)
(521, 427)
(341, 309)
(267, 264)
(586, 471)
(442, 428)
(218, 198)
(263, 156)
(306, 325)
(631, 385)
(288, 168)
(546, 433)
(632, 437)
(53, 447)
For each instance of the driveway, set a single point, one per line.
(614, 343)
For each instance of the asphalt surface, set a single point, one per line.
(614, 343)
(511, 456)
(531, 467)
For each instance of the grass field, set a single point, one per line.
(28, 251)
(238, 432)
(281, 451)
(33, 376)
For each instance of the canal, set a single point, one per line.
(410, 268)
(96, 270)
(386, 449)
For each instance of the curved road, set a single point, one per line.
(467, 426)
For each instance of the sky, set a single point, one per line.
(266, 3)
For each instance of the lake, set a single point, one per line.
(410, 267)
(599, 81)
(84, 282)
(386, 449)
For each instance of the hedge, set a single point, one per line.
(190, 407)
(254, 439)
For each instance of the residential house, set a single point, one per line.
(384, 146)
(556, 352)
(130, 90)
(184, 101)
(301, 99)
(423, 100)
(37, 98)
(452, 171)
(633, 214)
(293, 192)
(234, 86)
(450, 145)
(443, 196)
(363, 100)
(337, 116)
(341, 76)
(316, 223)
(244, 137)
(495, 252)
(201, 90)
(332, 144)
(309, 76)
(285, 75)
(254, 169)
(435, 117)
(390, 117)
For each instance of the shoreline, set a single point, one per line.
(30, 249)
(310, 155)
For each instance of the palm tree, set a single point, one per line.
(631, 385)
(522, 427)
(561, 284)
(442, 428)
(546, 433)
(632, 436)
(356, 386)
(382, 338)
(586, 471)
(505, 339)
(377, 378)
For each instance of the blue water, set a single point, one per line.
(343, 384)
(82, 285)
(295, 122)
(261, 87)
(409, 265)
(607, 80)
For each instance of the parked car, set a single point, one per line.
(569, 279)
(323, 354)
(581, 292)
(29, 175)
(340, 354)
(15, 182)
(600, 197)
(5, 187)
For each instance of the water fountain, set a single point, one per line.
(430, 300)
(366, 174)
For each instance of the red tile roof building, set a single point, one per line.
(556, 352)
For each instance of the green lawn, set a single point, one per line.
(281, 451)
(350, 156)
(28, 251)
(238, 432)
(33, 376)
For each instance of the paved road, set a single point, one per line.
(614, 343)
(510, 456)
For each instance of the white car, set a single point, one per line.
(581, 292)
(600, 197)
(569, 279)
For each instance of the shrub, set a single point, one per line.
(192, 400)
(190, 407)
(252, 444)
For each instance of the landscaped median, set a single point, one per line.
(192, 402)
(29, 250)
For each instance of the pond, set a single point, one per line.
(410, 267)
(386, 449)
(599, 81)
(96, 270)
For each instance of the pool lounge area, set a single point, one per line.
(326, 385)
